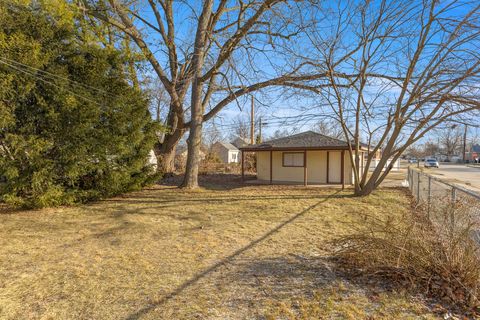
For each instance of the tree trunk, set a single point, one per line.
(365, 191)
(190, 179)
(165, 152)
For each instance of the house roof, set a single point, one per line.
(240, 142)
(228, 145)
(305, 140)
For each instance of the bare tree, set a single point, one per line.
(212, 134)
(430, 148)
(280, 133)
(412, 66)
(415, 151)
(329, 128)
(241, 127)
(213, 62)
(451, 140)
(159, 100)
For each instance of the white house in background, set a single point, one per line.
(152, 160)
(395, 165)
(227, 152)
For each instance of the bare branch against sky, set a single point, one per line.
(412, 66)
(388, 72)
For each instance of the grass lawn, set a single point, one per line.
(163, 253)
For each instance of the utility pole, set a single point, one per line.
(260, 131)
(252, 125)
(465, 144)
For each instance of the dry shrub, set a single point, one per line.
(435, 253)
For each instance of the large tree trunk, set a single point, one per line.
(190, 179)
(165, 151)
(366, 190)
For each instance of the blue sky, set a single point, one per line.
(280, 111)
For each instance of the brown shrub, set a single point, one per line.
(435, 253)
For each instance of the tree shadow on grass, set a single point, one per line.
(229, 181)
(131, 199)
(216, 181)
(192, 281)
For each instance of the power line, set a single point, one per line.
(52, 75)
(50, 82)
(228, 126)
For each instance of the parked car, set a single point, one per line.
(431, 163)
(413, 160)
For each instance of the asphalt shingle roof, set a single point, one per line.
(308, 140)
(228, 145)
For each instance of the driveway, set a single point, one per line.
(458, 173)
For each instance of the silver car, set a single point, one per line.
(430, 163)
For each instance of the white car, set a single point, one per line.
(431, 163)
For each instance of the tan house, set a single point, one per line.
(307, 157)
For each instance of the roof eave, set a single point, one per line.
(251, 149)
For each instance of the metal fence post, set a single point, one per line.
(408, 176)
(452, 209)
(429, 194)
(418, 186)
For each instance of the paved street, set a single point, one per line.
(457, 173)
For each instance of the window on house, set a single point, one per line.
(293, 159)
(234, 156)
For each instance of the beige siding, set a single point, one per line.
(334, 173)
(316, 168)
(263, 165)
(348, 169)
(281, 173)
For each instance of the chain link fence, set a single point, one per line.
(448, 205)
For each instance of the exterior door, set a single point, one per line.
(335, 167)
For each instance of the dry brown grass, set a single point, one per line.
(218, 253)
(435, 252)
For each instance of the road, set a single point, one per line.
(457, 173)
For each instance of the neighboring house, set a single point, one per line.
(152, 160)
(395, 165)
(240, 142)
(473, 154)
(376, 159)
(227, 152)
(307, 157)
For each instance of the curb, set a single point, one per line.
(473, 166)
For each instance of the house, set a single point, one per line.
(152, 160)
(376, 160)
(307, 157)
(473, 154)
(227, 152)
(240, 142)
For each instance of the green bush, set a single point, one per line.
(72, 127)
